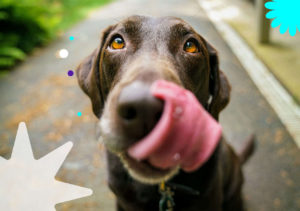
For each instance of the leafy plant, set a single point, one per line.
(24, 25)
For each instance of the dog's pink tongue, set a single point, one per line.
(186, 134)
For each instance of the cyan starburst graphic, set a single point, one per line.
(286, 15)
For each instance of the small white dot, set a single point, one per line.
(178, 110)
(63, 53)
(177, 157)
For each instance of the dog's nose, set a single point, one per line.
(138, 111)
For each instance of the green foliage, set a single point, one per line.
(75, 10)
(25, 24)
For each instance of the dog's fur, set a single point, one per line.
(154, 50)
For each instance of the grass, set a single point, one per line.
(75, 10)
(28, 24)
(281, 58)
(281, 55)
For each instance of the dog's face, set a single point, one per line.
(132, 55)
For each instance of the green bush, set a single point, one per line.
(25, 24)
(75, 10)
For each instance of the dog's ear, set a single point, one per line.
(218, 84)
(88, 75)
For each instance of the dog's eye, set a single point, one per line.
(117, 43)
(190, 47)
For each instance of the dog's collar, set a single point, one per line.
(167, 191)
(183, 189)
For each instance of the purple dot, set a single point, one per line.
(70, 73)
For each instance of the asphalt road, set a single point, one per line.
(40, 92)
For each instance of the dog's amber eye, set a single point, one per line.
(190, 47)
(117, 43)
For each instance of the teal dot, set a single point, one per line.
(79, 113)
(71, 38)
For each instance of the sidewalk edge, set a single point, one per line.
(280, 100)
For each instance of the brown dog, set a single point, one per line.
(117, 77)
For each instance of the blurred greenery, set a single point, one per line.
(25, 24)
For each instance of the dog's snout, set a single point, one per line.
(137, 110)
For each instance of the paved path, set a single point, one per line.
(40, 93)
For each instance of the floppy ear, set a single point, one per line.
(218, 84)
(88, 75)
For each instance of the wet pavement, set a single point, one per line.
(41, 93)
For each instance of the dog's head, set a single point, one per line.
(131, 56)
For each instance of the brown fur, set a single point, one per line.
(154, 50)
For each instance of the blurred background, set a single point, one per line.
(28, 24)
(42, 41)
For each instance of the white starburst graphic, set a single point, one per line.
(27, 184)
